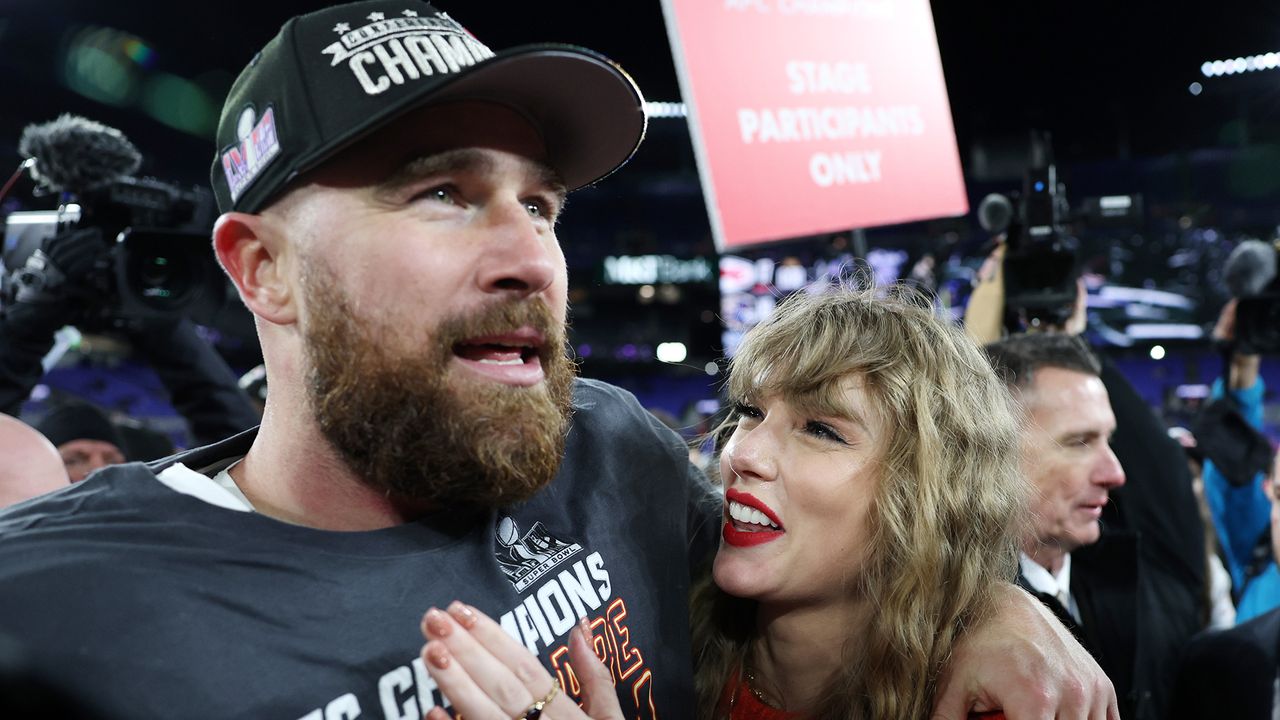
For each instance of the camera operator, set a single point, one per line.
(1240, 506)
(52, 292)
(118, 235)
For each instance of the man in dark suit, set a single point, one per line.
(1089, 579)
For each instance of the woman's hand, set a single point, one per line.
(487, 675)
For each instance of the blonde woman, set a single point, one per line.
(871, 497)
(872, 487)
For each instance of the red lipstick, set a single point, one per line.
(748, 538)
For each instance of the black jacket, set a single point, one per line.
(1229, 673)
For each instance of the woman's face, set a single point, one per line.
(797, 488)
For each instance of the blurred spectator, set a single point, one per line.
(1241, 508)
(85, 437)
(29, 464)
(1230, 673)
(1222, 609)
(1233, 673)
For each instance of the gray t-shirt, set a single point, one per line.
(145, 602)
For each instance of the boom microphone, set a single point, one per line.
(77, 155)
(1249, 268)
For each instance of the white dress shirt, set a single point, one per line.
(1057, 585)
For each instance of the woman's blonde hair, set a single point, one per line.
(943, 520)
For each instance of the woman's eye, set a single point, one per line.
(744, 410)
(824, 431)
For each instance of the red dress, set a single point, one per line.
(744, 705)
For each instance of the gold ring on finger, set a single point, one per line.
(534, 711)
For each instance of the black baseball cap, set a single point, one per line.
(333, 76)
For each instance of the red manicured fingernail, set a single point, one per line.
(437, 656)
(465, 616)
(437, 623)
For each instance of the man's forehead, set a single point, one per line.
(1061, 397)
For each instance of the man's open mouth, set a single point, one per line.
(511, 358)
(496, 353)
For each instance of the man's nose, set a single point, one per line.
(520, 257)
(1108, 472)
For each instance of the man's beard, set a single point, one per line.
(403, 427)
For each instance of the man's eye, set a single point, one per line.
(443, 193)
(538, 209)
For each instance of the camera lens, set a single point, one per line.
(161, 279)
(155, 272)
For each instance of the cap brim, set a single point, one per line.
(589, 112)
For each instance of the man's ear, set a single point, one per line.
(251, 250)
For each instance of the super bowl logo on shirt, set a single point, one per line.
(526, 558)
(387, 51)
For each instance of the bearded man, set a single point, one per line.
(390, 190)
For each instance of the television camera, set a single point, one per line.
(155, 258)
(1042, 256)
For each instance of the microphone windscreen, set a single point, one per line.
(995, 212)
(75, 154)
(1249, 268)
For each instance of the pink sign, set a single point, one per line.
(812, 116)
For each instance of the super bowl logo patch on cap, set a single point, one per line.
(258, 146)
(387, 51)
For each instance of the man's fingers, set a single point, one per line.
(951, 702)
(1110, 705)
(1029, 665)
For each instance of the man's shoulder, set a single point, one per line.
(594, 395)
(98, 523)
(115, 495)
(614, 415)
(115, 487)
(612, 432)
